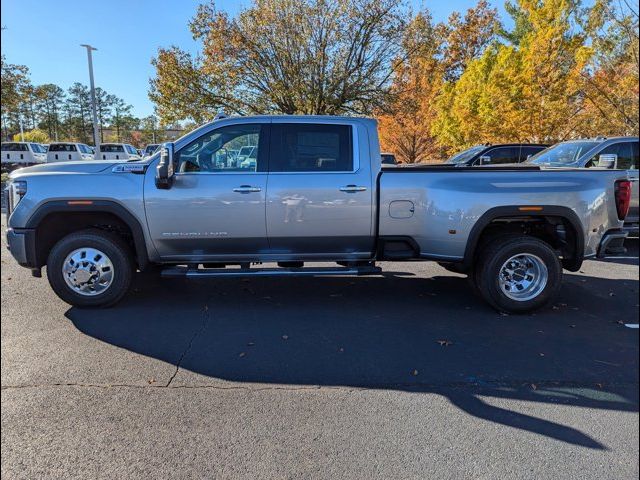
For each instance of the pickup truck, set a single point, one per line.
(316, 193)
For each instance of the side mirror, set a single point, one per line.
(608, 160)
(485, 159)
(164, 170)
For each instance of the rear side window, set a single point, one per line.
(112, 148)
(14, 147)
(62, 147)
(310, 148)
(502, 155)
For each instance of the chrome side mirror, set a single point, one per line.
(608, 160)
(164, 170)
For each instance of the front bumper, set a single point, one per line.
(22, 245)
(612, 243)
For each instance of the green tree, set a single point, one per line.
(78, 112)
(305, 56)
(50, 99)
(14, 81)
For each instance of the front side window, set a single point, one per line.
(234, 148)
(562, 154)
(37, 148)
(131, 149)
(84, 148)
(311, 148)
(625, 152)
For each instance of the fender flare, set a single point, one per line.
(492, 214)
(99, 206)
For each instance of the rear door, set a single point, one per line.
(319, 192)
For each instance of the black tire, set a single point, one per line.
(494, 255)
(113, 246)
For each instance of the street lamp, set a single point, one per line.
(96, 134)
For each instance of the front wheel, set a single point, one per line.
(90, 268)
(518, 274)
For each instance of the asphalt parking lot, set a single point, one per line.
(405, 375)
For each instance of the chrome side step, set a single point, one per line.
(189, 272)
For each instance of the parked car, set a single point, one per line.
(150, 149)
(601, 152)
(388, 159)
(496, 154)
(316, 193)
(67, 152)
(21, 154)
(116, 151)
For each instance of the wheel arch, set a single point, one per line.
(80, 215)
(572, 244)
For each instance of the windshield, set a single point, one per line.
(562, 154)
(37, 148)
(466, 155)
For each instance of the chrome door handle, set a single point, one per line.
(247, 189)
(352, 189)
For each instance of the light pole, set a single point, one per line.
(96, 133)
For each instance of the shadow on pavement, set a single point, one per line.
(426, 335)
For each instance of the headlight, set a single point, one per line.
(16, 190)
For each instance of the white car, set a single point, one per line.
(68, 152)
(22, 154)
(117, 151)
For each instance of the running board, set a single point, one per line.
(173, 272)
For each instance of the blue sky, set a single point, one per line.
(45, 35)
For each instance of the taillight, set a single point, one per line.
(623, 197)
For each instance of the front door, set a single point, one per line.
(319, 194)
(215, 209)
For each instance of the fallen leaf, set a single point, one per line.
(250, 344)
(341, 349)
(414, 373)
(611, 294)
(285, 337)
(542, 354)
(445, 343)
(555, 308)
(242, 354)
(150, 381)
(572, 326)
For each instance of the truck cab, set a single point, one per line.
(22, 154)
(116, 151)
(67, 152)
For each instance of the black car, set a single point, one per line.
(496, 154)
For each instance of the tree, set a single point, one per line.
(530, 90)
(14, 81)
(307, 57)
(36, 135)
(121, 120)
(104, 105)
(405, 129)
(78, 113)
(50, 99)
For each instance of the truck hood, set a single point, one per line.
(82, 166)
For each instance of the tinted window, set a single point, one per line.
(501, 155)
(311, 148)
(14, 147)
(466, 155)
(106, 148)
(131, 149)
(37, 148)
(84, 148)
(62, 147)
(528, 151)
(227, 149)
(388, 159)
(563, 154)
(624, 151)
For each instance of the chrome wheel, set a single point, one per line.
(523, 277)
(88, 271)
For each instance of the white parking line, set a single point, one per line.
(631, 325)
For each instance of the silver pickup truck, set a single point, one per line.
(313, 192)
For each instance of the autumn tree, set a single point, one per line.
(611, 81)
(529, 89)
(14, 81)
(405, 127)
(287, 56)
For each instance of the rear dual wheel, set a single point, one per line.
(517, 274)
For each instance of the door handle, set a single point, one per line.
(247, 189)
(352, 189)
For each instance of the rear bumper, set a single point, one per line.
(22, 245)
(612, 243)
(632, 228)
